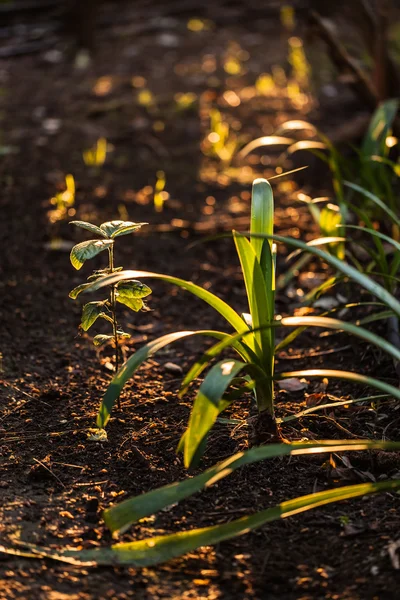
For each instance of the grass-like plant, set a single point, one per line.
(365, 189)
(130, 293)
(253, 338)
(370, 167)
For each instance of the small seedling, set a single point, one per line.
(97, 154)
(130, 293)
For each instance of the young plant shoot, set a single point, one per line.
(253, 336)
(130, 293)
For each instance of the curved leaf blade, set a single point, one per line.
(89, 226)
(159, 549)
(114, 229)
(133, 289)
(219, 305)
(90, 313)
(329, 323)
(134, 362)
(208, 404)
(366, 282)
(121, 516)
(267, 140)
(348, 375)
(374, 199)
(86, 250)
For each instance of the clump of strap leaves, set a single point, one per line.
(130, 293)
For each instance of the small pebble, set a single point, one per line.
(173, 368)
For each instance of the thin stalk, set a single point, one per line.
(113, 301)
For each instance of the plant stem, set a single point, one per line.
(114, 314)
(264, 393)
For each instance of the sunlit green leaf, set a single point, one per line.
(374, 199)
(379, 127)
(346, 375)
(90, 313)
(85, 250)
(329, 323)
(121, 516)
(209, 404)
(89, 227)
(134, 362)
(236, 341)
(135, 304)
(133, 289)
(159, 549)
(366, 282)
(114, 229)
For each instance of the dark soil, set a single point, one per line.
(54, 482)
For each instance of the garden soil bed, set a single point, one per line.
(54, 481)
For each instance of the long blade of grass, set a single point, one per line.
(257, 295)
(208, 404)
(319, 407)
(262, 216)
(379, 127)
(198, 367)
(159, 549)
(219, 305)
(374, 199)
(375, 233)
(121, 516)
(347, 375)
(366, 282)
(329, 323)
(135, 361)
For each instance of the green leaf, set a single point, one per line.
(76, 291)
(329, 323)
(89, 227)
(135, 304)
(114, 229)
(85, 250)
(158, 549)
(90, 313)
(259, 298)
(262, 214)
(318, 407)
(133, 289)
(126, 371)
(219, 305)
(347, 375)
(100, 340)
(375, 233)
(208, 405)
(374, 199)
(379, 127)
(366, 282)
(229, 340)
(121, 516)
